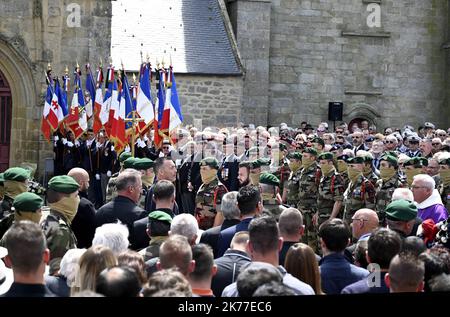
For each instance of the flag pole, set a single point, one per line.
(133, 120)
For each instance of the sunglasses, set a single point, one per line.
(391, 142)
(442, 134)
(436, 144)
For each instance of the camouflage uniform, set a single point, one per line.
(373, 178)
(345, 179)
(282, 172)
(208, 197)
(6, 205)
(143, 196)
(445, 195)
(152, 251)
(59, 236)
(272, 207)
(360, 194)
(383, 196)
(331, 189)
(307, 202)
(292, 187)
(111, 191)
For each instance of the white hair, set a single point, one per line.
(426, 180)
(229, 206)
(113, 236)
(69, 265)
(402, 193)
(185, 225)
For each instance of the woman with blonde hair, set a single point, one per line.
(301, 262)
(92, 262)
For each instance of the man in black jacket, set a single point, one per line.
(83, 225)
(164, 196)
(229, 167)
(124, 207)
(229, 265)
(28, 267)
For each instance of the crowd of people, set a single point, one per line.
(233, 212)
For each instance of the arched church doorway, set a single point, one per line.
(5, 122)
(360, 123)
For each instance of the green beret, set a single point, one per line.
(28, 202)
(391, 159)
(245, 164)
(295, 155)
(211, 162)
(160, 216)
(391, 153)
(318, 140)
(325, 156)
(442, 162)
(269, 179)
(417, 162)
(310, 150)
(129, 162)
(124, 156)
(2, 179)
(142, 163)
(63, 184)
(401, 210)
(282, 146)
(367, 158)
(355, 160)
(18, 174)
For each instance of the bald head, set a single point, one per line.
(364, 221)
(291, 224)
(81, 177)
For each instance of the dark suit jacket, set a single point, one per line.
(120, 208)
(227, 235)
(228, 268)
(362, 287)
(28, 290)
(150, 203)
(337, 273)
(231, 169)
(83, 225)
(139, 238)
(211, 236)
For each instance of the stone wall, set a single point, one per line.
(324, 51)
(216, 100)
(252, 26)
(34, 33)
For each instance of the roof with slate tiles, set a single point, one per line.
(190, 32)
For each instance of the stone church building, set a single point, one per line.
(253, 61)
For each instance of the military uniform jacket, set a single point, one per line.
(292, 187)
(360, 194)
(5, 206)
(283, 172)
(59, 236)
(209, 196)
(308, 188)
(384, 191)
(445, 195)
(228, 172)
(331, 189)
(111, 190)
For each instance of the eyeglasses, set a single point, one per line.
(359, 219)
(416, 187)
